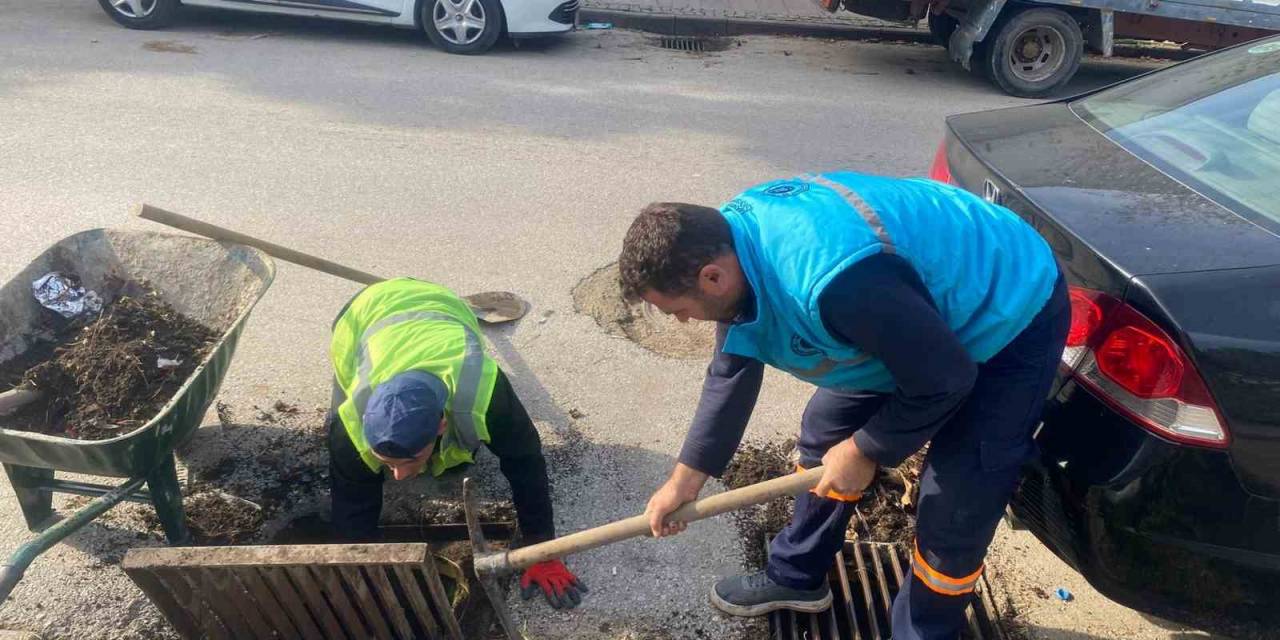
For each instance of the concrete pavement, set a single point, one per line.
(518, 170)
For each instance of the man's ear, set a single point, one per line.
(712, 279)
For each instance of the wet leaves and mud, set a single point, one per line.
(218, 518)
(168, 46)
(753, 464)
(886, 512)
(105, 374)
(255, 470)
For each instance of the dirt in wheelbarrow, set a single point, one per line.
(104, 376)
(886, 512)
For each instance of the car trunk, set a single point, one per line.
(1204, 274)
(1141, 220)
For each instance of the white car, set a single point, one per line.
(457, 26)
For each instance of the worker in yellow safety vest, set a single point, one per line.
(415, 391)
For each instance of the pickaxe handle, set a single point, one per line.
(490, 307)
(636, 526)
(199, 227)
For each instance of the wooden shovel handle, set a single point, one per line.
(637, 526)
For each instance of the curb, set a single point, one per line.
(668, 24)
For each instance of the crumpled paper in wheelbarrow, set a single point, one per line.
(64, 295)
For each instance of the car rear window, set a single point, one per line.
(1212, 123)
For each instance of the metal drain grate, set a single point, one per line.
(695, 45)
(326, 592)
(864, 581)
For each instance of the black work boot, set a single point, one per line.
(755, 595)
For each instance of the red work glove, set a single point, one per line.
(562, 589)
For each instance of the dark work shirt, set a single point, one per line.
(880, 306)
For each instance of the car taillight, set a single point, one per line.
(1135, 366)
(941, 171)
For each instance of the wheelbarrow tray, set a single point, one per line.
(215, 284)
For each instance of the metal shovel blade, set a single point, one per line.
(496, 307)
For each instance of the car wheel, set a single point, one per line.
(942, 26)
(1032, 53)
(462, 26)
(141, 14)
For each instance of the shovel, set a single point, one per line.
(491, 565)
(490, 307)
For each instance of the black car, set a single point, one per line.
(1159, 470)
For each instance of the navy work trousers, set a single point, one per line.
(971, 470)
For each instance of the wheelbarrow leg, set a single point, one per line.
(166, 495)
(36, 501)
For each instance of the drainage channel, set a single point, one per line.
(692, 44)
(865, 579)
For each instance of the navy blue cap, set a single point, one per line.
(403, 414)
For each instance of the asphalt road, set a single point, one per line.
(518, 170)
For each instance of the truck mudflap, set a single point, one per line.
(973, 28)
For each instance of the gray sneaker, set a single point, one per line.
(755, 595)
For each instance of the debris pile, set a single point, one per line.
(217, 518)
(754, 464)
(104, 373)
(886, 512)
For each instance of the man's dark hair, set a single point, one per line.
(668, 245)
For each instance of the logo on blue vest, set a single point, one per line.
(801, 347)
(739, 206)
(787, 189)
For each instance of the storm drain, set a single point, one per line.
(864, 581)
(693, 44)
(325, 592)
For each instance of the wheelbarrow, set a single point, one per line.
(215, 284)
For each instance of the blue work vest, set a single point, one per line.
(988, 271)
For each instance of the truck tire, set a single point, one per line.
(1031, 53)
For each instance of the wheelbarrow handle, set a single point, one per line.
(9, 577)
(13, 569)
(13, 399)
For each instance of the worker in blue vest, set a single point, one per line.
(922, 313)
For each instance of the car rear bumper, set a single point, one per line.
(1162, 528)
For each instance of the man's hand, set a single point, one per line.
(562, 589)
(845, 470)
(682, 487)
